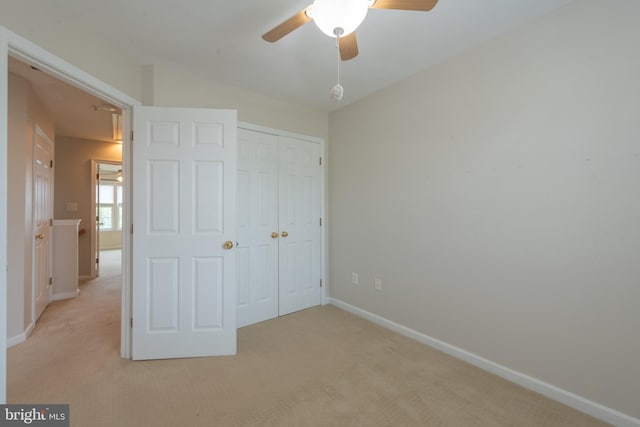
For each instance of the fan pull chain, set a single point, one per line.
(338, 57)
(337, 91)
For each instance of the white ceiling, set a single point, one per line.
(221, 40)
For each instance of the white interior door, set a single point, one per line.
(42, 217)
(258, 231)
(299, 218)
(184, 218)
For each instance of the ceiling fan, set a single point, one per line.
(340, 18)
(112, 175)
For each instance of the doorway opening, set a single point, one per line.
(108, 200)
(82, 126)
(14, 46)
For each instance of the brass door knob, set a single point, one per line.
(284, 234)
(228, 244)
(39, 236)
(274, 235)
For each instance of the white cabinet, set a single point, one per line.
(279, 225)
(65, 258)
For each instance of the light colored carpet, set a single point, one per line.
(318, 367)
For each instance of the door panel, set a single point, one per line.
(257, 220)
(184, 294)
(42, 215)
(299, 219)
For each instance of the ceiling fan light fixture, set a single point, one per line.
(330, 15)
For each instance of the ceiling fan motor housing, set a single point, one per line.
(331, 16)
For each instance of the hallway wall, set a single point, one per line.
(25, 111)
(73, 184)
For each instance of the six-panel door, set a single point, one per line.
(257, 298)
(279, 193)
(42, 215)
(299, 221)
(184, 172)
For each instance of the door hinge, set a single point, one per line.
(97, 218)
(320, 282)
(98, 176)
(131, 136)
(50, 280)
(51, 222)
(51, 163)
(320, 161)
(97, 260)
(320, 222)
(131, 228)
(131, 322)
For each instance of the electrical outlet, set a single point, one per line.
(377, 284)
(354, 278)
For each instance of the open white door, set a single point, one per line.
(42, 219)
(184, 218)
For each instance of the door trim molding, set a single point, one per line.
(24, 50)
(324, 254)
(94, 237)
(4, 85)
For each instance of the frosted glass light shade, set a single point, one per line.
(346, 14)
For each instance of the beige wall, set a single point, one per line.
(73, 184)
(174, 86)
(110, 240)
(16, 180)
(25, 111)
(497, 197)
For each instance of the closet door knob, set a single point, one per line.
(228, 244)
(39, 236)
(284, 234)
(274, 235)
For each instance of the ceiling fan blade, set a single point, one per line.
(296, 21)
(348, 46)
(420, 5)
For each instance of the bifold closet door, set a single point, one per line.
(278, 226)
(257, 291)
(299, 212)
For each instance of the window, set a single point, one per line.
(110, 206)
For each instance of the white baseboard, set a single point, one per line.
(57, 297)
(587, 406)
(20, 338)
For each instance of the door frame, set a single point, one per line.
(324, 292)
(26, 51)
(95, 237)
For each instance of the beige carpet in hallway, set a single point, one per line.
(319, 367)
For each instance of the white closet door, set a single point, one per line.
(257, 291)
(299, 218)
(184, 204)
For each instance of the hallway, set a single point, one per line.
(67, 336)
